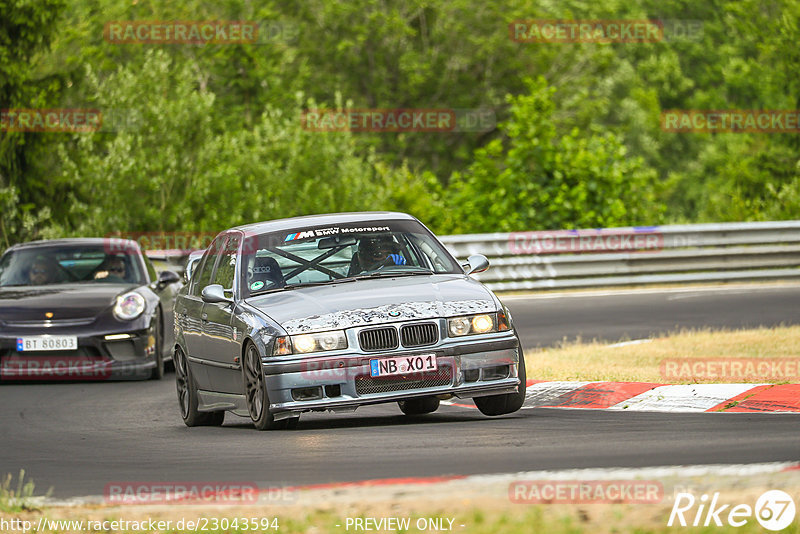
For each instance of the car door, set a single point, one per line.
(190, 314)
(221, 341)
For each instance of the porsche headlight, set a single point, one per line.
(308, 343)
(483, 323)
(129, 306)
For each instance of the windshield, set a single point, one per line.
(42, 266)
(328, 254)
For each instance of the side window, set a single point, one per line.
(202, 275)
(227, 263)
(151, 271)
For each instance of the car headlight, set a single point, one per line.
(129, 306)
(308, 343)
(483, 323)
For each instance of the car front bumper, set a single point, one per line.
(465, 368)
(96, 358)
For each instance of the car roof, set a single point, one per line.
(75, 241)
(318, 220)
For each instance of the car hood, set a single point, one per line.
(64, 301)
(368, 302)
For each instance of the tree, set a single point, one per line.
(538, 179)
(26, 29)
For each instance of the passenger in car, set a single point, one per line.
(113, 270)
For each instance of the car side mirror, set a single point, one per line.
(477, 263)
(214, 294)
(166, 278)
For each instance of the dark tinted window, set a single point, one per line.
(67, 264)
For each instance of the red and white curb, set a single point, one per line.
(651, 397)
(432, 487)
(593, 473)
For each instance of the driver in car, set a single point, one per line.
(375, 252)
(41, 272)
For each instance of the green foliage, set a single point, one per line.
(167, 166)
(211, 137)
(26, 29)
(543, 180)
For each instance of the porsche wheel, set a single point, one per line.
(507, 403)
(187, 396)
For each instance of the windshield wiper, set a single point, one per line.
(386, 273)
(300, 285)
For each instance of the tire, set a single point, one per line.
(289, 423)
(509, 402)
(187, 396)
(157, 373)
(255, 388)
(419, 406)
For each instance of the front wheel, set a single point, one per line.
(509, 402)
(187, 396)
(255, 387)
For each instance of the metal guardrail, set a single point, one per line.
(635, 255)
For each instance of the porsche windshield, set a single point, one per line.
(39, 266)
(327, 254)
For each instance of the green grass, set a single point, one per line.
(17, 497)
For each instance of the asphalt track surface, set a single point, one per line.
(79, 437)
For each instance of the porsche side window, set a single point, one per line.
(151, 271)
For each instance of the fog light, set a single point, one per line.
(117, 337)
(307, 394)
(496, 373)
(471, 375)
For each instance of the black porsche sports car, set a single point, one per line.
(83, 309)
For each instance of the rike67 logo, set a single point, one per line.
(774, 510)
